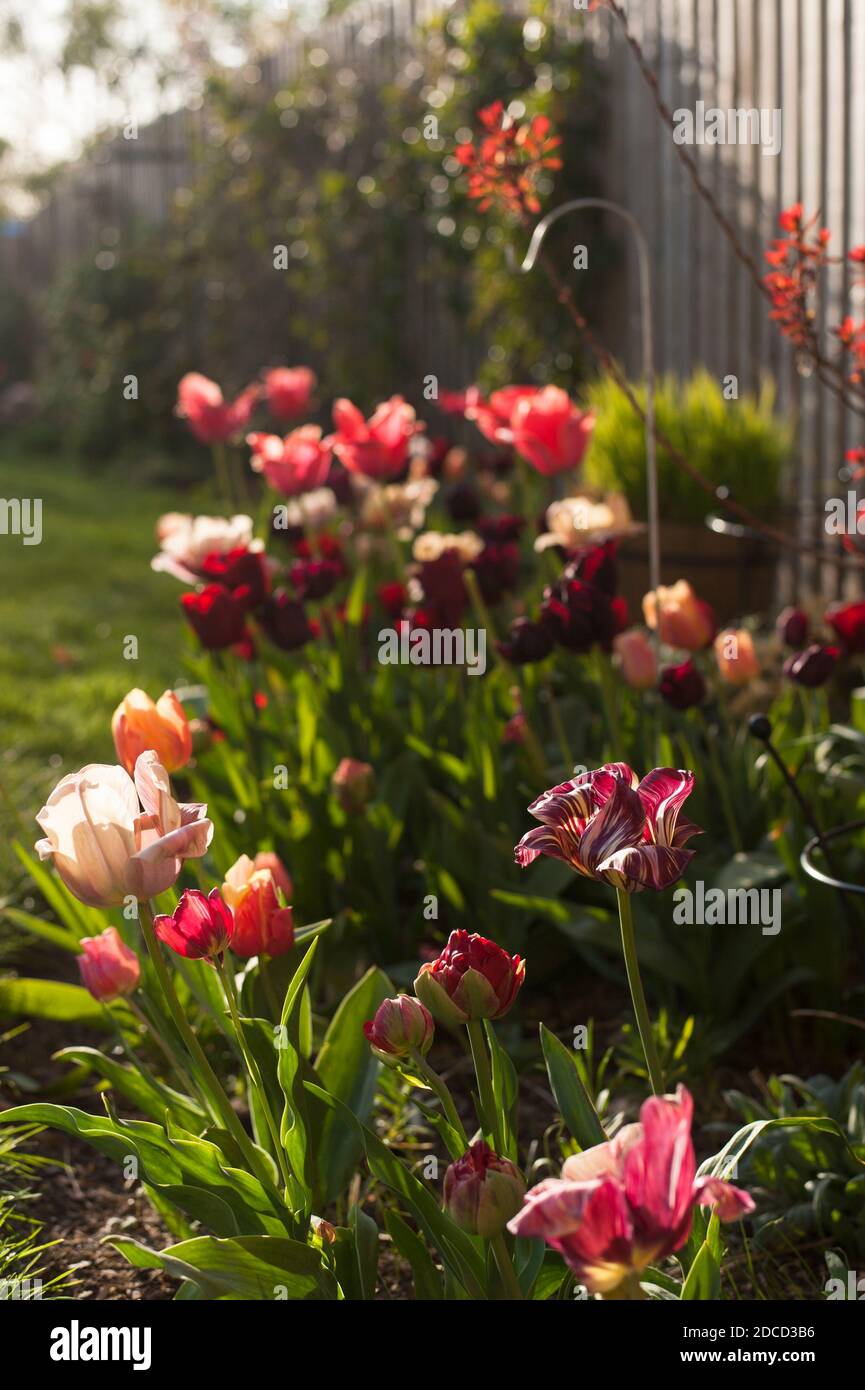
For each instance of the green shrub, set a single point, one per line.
(740, 443)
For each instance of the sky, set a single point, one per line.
(46, 115)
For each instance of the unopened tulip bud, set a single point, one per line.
(482, 1191)
(473, 978)
(792, 626)
(401, 1026)
(139, 724)
(353, 784)
(107, 966)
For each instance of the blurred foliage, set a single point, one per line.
(738, 443)
(353, 187)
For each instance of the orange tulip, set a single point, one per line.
(138, 724)
(685, 620)
(737, 660)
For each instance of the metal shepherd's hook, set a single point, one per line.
(644, 262)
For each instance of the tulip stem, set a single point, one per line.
(435, 1082)
(254, 1073)
(607, 683)
(489, 1116)
(638, 998)
(218, 1099)
(506, 1267)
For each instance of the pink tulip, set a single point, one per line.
(212, 419)
(200, 927)
(493, 416)
(288, 391)
(737, 660)
(625, 1204)
(298, 463)
(636, 655)
(550, 432)
(266, 859)
(609, 825)
(378, 447)
(107, 966)
(400, 1026)
(686, 620)
(104, 847)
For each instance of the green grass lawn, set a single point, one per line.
(66, 607)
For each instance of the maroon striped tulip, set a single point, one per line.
(625, 1204)
(473, 978)
(609, 825)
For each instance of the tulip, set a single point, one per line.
(298, 463)
(526, 641)
(378, 447)
(244, 572)
(187, 541)
(610, 826)
(473, 978)
(107, 966)
(628, 1203)
(576, 522)
(493, 416)
(138, 725)
(737, 660)
(216, 615)
(482, 1191)
(686, 621)
(497, 569)
(212, 419)
(262, 926)
(637, 659)
(401, 1026)
(315, 579)
(792, 627)
(392, 597)
(682, 686)
(598, 565)
(353, 783)
(580, 616)
(550, 432)
(847, 621)
(200, 927)
(104, 847)
(812, 667)
(266, 859)
(288, 391)
(285, 622)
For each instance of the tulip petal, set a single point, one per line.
(155, 868)
(663, 792)
(619, 823)
(647, 866)
(728, 1202)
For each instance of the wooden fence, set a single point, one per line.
(805, 58)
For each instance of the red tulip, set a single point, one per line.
(298, 463)
(609, 825)
(216, 615)
(199, 928)
(472, 978)
(493, 416)
(847, 621)
(242, 571)
(211, 419)
(401, 1026)
(550, 432)
(813, 667)
(482, 1191)
(378, 447)
(262, 926)
(628, 1203)
(288, 391)
(107, 966)
(682, 686)
(266, 859)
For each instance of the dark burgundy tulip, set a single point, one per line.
(792, 627)
(812, 667)
(285, 622)
(314, 579)
(847, 621)
(237, 569)
(445, 594)
(497, 569)
(526, 641)
(579, 616)
(682, 686)
(463, 502)
(392, 597)
(217, 615)
(501, 528)
(596, 565)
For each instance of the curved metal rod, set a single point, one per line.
(813, 872)
(645, 273)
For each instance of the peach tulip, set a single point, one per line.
(737, 660)
(637, 658)
(105, 847)
(138, 724)
(686, 621)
